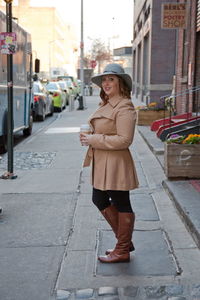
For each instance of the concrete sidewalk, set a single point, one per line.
(51, 233)
(164, 248)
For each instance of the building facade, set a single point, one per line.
(123, 56)
(154, 52)
(188, 62)
(53, 41)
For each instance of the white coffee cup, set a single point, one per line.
(85, 128)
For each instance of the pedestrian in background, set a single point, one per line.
(113, 170)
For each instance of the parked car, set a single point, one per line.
(74, 86)
(43, 104)
(70, 86)
(64, 87)
(59, 96)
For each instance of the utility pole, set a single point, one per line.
(9, 174)
(81, 98)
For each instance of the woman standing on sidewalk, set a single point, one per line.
(113, 170)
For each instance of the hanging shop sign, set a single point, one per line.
(8, 42)
(174, 16)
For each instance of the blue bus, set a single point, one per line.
(22, 85)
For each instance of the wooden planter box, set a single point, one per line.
(147, 117)
(182, 160)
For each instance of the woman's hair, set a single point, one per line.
(123, 90)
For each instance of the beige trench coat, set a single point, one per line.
(113, 128)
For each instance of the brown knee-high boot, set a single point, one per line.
(111, 215)
(121, 252)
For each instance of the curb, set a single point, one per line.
(187, 204)
(155, 149)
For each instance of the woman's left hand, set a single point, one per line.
(84, 139)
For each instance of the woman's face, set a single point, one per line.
(110, 85)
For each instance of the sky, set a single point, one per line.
(109, 20)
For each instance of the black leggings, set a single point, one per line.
(120, 199)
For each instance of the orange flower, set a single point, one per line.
(192, 139)
(152, 104)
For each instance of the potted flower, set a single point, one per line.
(147, 114)
(182, 156)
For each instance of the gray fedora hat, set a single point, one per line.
(114, 69)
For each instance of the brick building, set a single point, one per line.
(153, 52)
(188, 62)
(53, 41)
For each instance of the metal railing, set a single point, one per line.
(169, 101)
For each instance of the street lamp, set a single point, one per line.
(50, 43)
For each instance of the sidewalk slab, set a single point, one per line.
(154, 143)
(84, 227)
(159, 264)
(187, 201)
(29, 272)
(141, 178)
(141, 200)
(33, 220)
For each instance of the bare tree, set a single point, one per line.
(99, 53)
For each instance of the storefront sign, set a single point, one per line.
(8, 42)
(174, 16)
